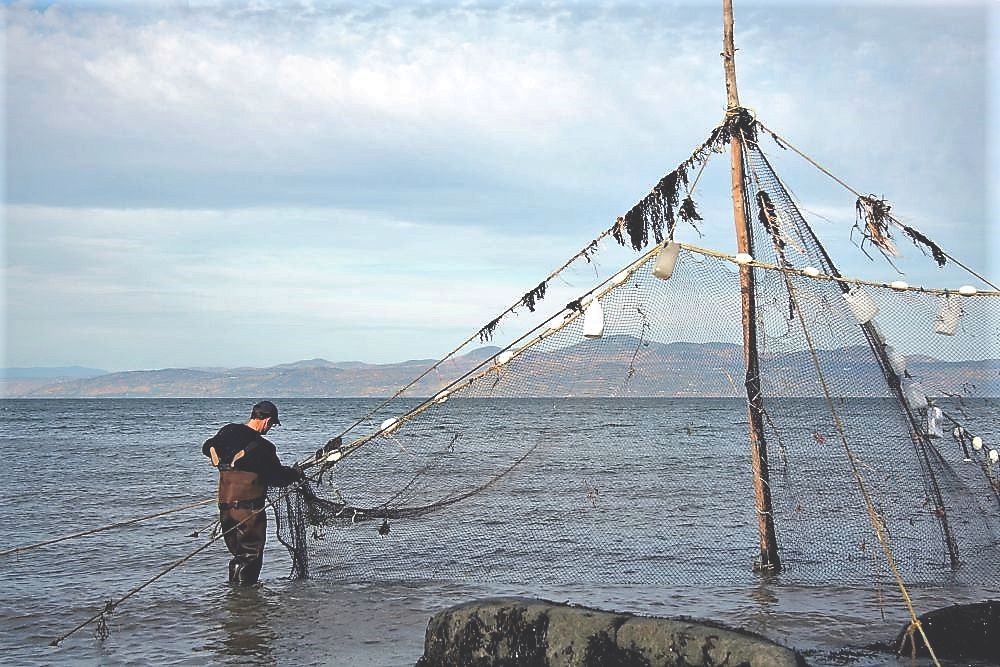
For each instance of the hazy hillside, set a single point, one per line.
(615, 365)
(22, 381)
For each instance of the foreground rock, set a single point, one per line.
(520, 631)
(962, 631)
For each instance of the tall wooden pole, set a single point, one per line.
(768, 561)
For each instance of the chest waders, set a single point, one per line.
(242, 517)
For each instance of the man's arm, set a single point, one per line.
(272, 471)
(286, 475)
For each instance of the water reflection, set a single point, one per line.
(764, 596)
(246, 629)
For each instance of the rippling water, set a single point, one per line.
(76, 464)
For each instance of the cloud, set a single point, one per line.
(221, 106)
(212, 285)
(387, 178)
(191, 108)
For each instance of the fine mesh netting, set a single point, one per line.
(621, 455)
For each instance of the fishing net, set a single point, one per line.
(610, 443)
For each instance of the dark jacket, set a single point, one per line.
(261, 459)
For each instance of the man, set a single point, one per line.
(248, 464)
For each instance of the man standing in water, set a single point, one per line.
(248, 464)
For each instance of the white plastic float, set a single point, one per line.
(593, 320)
(666, 261)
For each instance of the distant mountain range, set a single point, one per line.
(590, 368)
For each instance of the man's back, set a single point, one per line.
(259, 455)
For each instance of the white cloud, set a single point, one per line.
(350, 96)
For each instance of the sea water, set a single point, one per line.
(72, 465)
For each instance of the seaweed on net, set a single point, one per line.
(486, 333)
(531, 298)
(653, 212)
(659, 211)
(662, 207)
(768, 217)
(535, 295)
(873, 223)
(919, 239)
(688, 212)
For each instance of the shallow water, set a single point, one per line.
(75, 464)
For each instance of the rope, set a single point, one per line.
(510, 309)
(209, 526)
(584, 252)
(841, 279)
(91, 531)
(875, 519)
(873, 516)
(111, 605)
(472, 376)
(782, 141)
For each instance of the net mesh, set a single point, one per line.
(623, 458)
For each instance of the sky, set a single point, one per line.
(247, 184)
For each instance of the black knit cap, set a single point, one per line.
(266, 409)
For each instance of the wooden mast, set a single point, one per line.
(768, 561)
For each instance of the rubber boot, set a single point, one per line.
(248, 571)
(244, 571)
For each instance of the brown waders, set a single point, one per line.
(241, 495)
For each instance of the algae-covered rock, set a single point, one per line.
(963, 631)
(508, 632)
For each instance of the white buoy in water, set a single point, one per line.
(593, 320)
(666, 260)
(994, 456)
(946, 322)
(897, 362)
(977, 443)
(862, 305)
